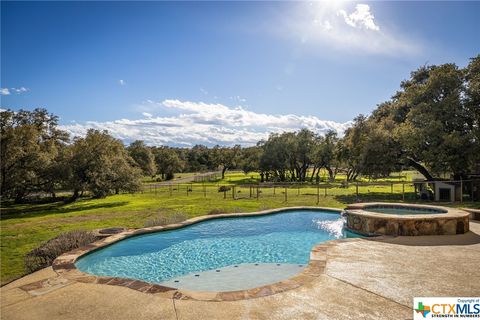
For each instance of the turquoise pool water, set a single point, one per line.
(404, 210)
(286, 237)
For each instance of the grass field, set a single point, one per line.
(24, 227)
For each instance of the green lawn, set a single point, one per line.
(24, 227)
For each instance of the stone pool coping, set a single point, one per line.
(64, 265)
(447, 222)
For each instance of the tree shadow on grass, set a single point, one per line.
(55, 208)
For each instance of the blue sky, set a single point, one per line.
(221, 72)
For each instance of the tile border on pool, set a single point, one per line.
(64, 265)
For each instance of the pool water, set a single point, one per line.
(286, 237)
(403, 210)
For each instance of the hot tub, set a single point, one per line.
(399, 219)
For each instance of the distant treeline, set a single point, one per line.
(432, 124)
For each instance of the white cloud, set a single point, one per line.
(19, 90)
(8, 91)
(327, 26)
(204, 123)
(238, 99)
(121, 82)
(360, 18)
(146, 114)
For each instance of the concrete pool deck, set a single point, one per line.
(364, 279)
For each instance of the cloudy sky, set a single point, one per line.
(221, 72)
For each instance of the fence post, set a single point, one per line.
(286, 196)
(471, 190)
(233, 192)
(187, 189)
(391, 187)
(461, 190)
(356, 187)
(403, 191)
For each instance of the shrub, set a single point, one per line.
(216, 211)
(48, 251)
(162, 219)
(224, 189)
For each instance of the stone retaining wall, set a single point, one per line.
(362, 221)
(474, 213)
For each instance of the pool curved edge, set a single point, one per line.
(449, 221)
(64, 265)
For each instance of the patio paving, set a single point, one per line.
(368, 279)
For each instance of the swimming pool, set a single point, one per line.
(280, 238)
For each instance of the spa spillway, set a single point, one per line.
(397, 219)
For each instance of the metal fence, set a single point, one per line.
(413, 191)
(466, 190)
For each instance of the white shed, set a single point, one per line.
(444, 191)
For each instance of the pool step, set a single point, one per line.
(236, 277)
